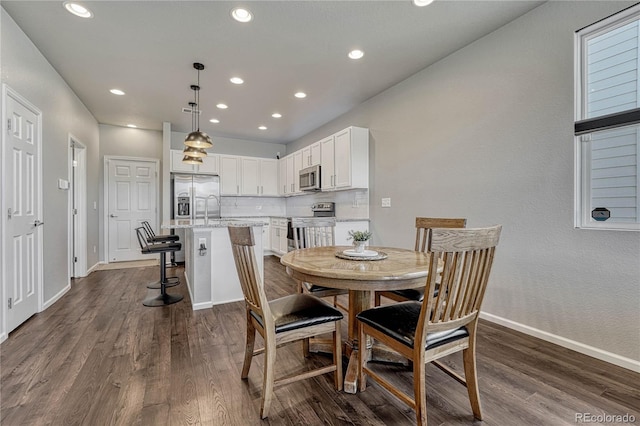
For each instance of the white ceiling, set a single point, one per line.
(147, 49)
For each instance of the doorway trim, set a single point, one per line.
(77, 241)
(9, 92)
(105, 195)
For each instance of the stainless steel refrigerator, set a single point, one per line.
(194, 197)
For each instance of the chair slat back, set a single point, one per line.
(466, 257)
(242, 245)
(143, 238)
(148, 228)
(423, 224)
(313, 231)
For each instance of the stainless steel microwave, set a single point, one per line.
(310, 178)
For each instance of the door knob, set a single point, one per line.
(37, 223)
(112, 215)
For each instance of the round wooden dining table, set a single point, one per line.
(401, 269)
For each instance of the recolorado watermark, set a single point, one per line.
(604, 418)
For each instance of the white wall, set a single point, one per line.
(487, 134)
(231, 146)
(26, 71)
(127, 142)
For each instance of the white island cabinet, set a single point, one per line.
(209, 268)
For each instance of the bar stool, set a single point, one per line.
(163, 248)
(152, 238)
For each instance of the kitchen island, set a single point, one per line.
(209, 268)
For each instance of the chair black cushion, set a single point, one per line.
(163, 238)
(313, 288)
(298, 311)
(416, 294)
(161, 248)
(400, 320)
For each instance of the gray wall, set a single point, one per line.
(26, 71)
(486, 134)
(230, 146)
(127, 142)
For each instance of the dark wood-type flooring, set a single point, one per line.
(99, 357)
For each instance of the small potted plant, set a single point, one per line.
(360, 239)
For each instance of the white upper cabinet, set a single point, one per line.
(209, 164)
(259, 176)
(230, 177)
(268, 177)
(291, 178)
(345, 159)
(327, 167)
(297, 166)
(283, 179)
(311, 155)
(249, 176)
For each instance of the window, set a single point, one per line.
(607, 126)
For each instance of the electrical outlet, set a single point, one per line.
(386, 202)
(94, 249)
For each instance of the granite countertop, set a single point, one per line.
(208, 223)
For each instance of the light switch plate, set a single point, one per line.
(386, 202)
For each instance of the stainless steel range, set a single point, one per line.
(319, 210)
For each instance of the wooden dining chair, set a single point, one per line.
(280, 321)
(316, 232)
(444, 322)
(423, 225)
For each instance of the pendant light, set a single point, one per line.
(193, 155)
(197, 139)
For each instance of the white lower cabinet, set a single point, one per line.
(278, 236)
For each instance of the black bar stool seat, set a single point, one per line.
(162, 248)
(152, 238)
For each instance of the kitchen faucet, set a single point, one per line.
(206, 204)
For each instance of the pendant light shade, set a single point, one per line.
(194, 152)
(196, 141)
(192, 160)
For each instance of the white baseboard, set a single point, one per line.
(94, 267)
(201, 305)
(228, 301)
(55, 298)
(591, 351)
(3, 337)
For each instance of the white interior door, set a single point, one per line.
(132, 198)
(23, 237)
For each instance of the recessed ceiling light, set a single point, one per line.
(262, 127)
(241, 14)
(214, 121)
(133, 126)
(276, 115)
(117, 92)
(236, 80)
(222, 106)
(421, 3)
(356, 54)
(77, 9)
(300, 95)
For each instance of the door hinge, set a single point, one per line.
(75, 211)
(10, 303)
(9, 124)
(10, 213)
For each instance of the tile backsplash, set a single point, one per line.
(350, 204)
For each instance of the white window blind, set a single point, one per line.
(612, 71)
(608, 105)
